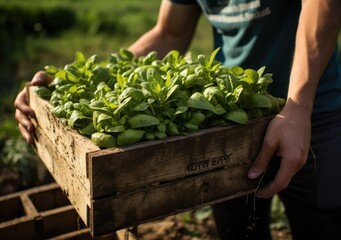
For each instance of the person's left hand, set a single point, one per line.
(288, 136)
(23, 112)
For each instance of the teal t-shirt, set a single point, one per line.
(256, 33)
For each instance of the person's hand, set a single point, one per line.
(287, 136)
(23, 111)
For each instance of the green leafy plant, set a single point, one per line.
(125, 99)
(278, 215)
(19, 157)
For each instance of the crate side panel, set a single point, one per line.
(72, 146)
(114, 213)
(73, 188)
(157, 161)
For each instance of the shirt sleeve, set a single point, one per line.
(184, 1)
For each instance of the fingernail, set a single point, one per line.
(37, 81)
(27, 138)
(253, 173)
(30, 129)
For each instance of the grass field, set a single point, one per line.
(37, 33)
(102, 27)
(96, 27)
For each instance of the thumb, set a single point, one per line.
(262, 160)
(41, 78)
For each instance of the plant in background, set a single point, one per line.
(279, 218)
(19, 159)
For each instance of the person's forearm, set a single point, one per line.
(174, 30)
(155, 40)
(317, 32)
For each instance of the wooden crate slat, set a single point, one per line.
(35, 223)
(114, 213)
(21, 229)
(70, 144)
(64, 175)
(115, 170)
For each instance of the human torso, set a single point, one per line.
(256, 33)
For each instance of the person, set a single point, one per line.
(297, 42)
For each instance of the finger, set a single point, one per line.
(41, 78)
(26, 134)
(20, 103)
(281, 180)
(263, 158)
(24, 121)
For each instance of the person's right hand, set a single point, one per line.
(23, 111)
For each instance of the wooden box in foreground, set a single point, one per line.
(116, 188)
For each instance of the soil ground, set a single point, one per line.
(185, 227)
(197, 225)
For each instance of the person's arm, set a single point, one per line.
(174, 30)
(288, 135)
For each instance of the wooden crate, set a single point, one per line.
(37, 213)
(43, 212)
(115, 188)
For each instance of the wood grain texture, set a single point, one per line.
(121, 170)
(63, 151)
(119, 187)
(114, 213)
(64, 175)
(68, 142)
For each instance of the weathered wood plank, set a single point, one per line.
(72, 146)
(119, 187)
(120, 170)
(124, 210)
(41, 219)
(63, 174)
(63, 151)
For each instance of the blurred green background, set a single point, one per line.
(36, 33)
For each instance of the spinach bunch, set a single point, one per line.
(128, 99)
